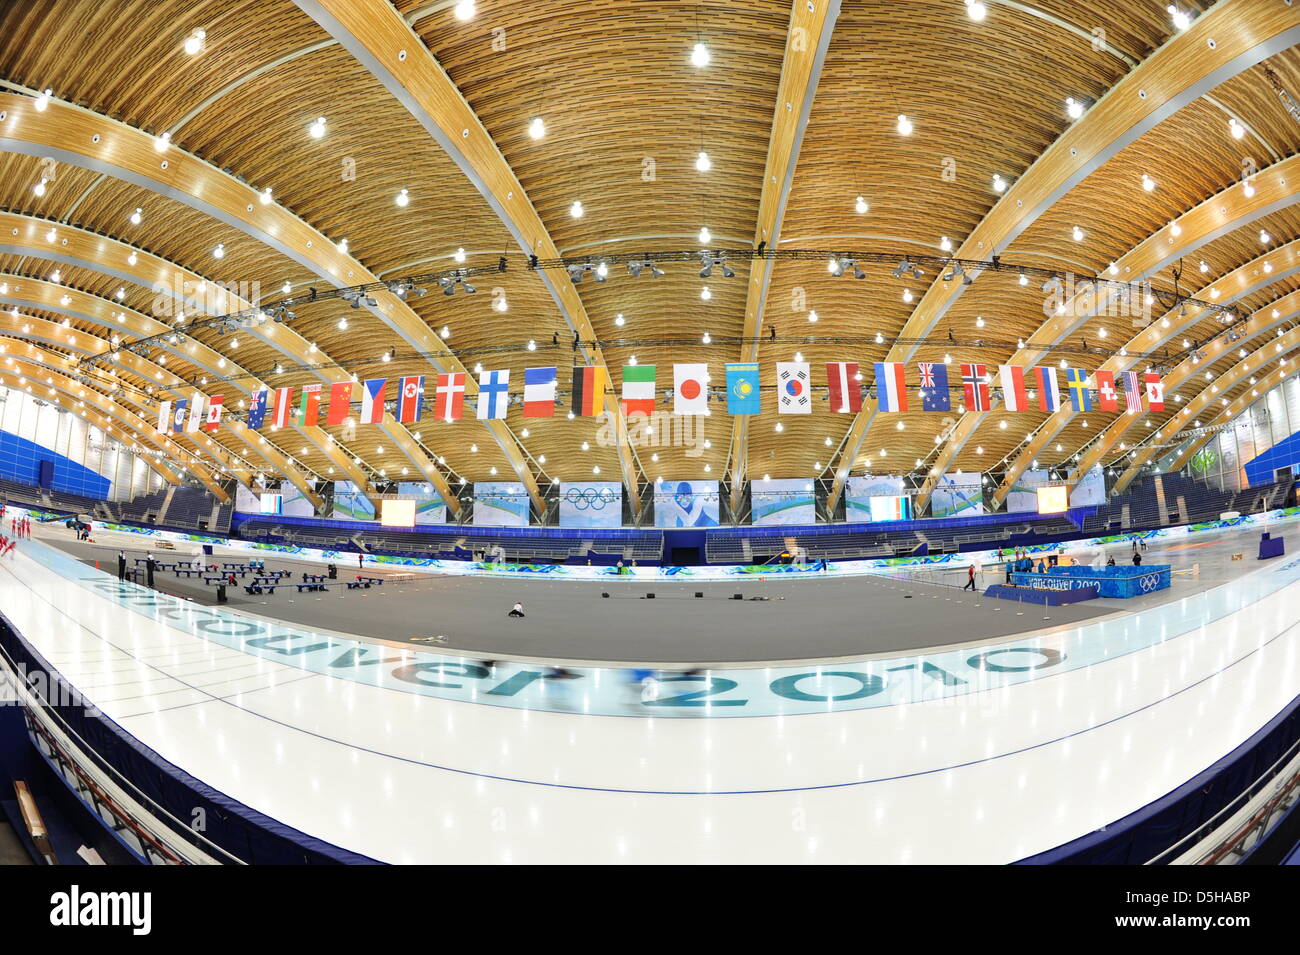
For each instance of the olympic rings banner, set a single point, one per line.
(591, 504)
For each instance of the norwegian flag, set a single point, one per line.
(1132, 397)
(841, 379)
(974, 387)
(449, 397)
(410, 396)
(214, 412)
(1155, 391)
(1106, 393)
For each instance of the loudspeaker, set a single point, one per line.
(699, 593)
(604, 595)
(737, 596)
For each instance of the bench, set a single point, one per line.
(209, 579)
(187, 571)
(311, 585)
(260, 588)
(316, 578)
(355, 584)
(267, 580)
(377, 581)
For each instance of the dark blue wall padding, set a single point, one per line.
(245, 833)
(1144, 834)
(21, 460)
(1285, 454)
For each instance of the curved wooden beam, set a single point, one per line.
(140, 431)
(1225, 212)
(808, 38)
(1270, 353)
(26, 235)
(1180, 72)
(88, 140)
(384, 44)
(47, 296)
(1263, 320)
(28, 329)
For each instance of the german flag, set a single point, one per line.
(589, 383)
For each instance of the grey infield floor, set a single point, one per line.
(805, 619)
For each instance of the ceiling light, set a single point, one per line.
(860, 205)
(137, 217)
(976, 10)
(1148, 183)
(576, 209)
(537, 128)
(700, 55)
(705, 293)
(465, 9)
(702, 162)
(904, 125)
(1180, 19)
(220, 251)
(1264, 237)
(43, 100)
(999, 184)
(403, 198)
(618, 319)
(705, 235)
(1077, 234)
(1236, 128)
(194, 42)
(39, 188)
(1073, 108)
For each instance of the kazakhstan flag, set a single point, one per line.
(742, 389)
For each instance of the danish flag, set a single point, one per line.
(449, 398)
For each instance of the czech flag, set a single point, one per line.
(372, 400)
(1014, 395)
(410, 398)
(539, 392)
(891, 387)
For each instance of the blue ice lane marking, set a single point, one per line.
(774, 691)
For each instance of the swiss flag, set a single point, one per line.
(1107, 396)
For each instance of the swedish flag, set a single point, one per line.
(742, 388)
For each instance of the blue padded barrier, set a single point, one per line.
(1120, 582)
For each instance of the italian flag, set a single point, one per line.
(638, 389)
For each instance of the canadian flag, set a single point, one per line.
(214, 413)
(1155, 391)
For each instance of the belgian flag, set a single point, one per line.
(589, 383)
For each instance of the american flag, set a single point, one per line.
(1132, 397)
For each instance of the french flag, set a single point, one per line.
(372, 400)
(539, 392)
(891, 386)
(1014, 396)
(1049, 398)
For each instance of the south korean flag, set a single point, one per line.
(792, 391)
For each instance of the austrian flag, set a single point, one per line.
(1014, 395)
(842, 381)
(283, 407)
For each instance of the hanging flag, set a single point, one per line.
(196, 414)
(589, 390)
(164, 417)
(1014, 396)
(283, 406)
(891, 387)
(493, 393)
(1049, 398)
(974, 387)
(690, 389)
(410, 398)
(743, 395)
(1076, 379)
(934, 386)
(1106, 391)
(449, 397)
(1132, 397)
(638, 389)
(340, 402)
(178, 415)
(372, 400)
(257, 409)
(793, 395)
(213, 420)
(539, 392)
(1155, 391)
(842, 379)
(309, 406)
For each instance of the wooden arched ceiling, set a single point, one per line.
(626, 114)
